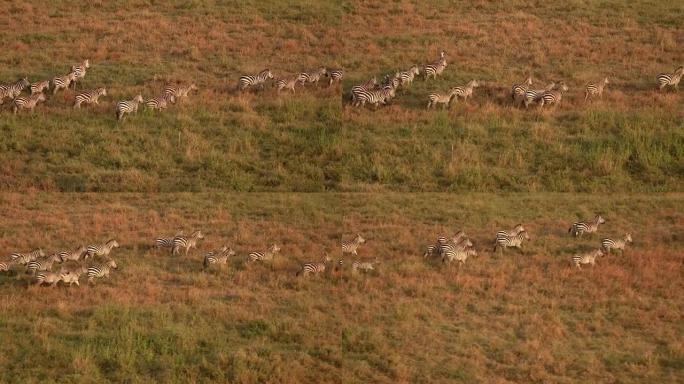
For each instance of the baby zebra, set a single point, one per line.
(515, 241)
(180, 91)
(12, 90)
(363, 266)
(552, 97)
(51, 278)
(25, 258)
(186, 242)
(609, 244)
(258, 79)
(27, 102)
(581, 227)
(219, 256)
(586, 258)
(127, 106)
(100, 270)
(89, 97)
(353, 245)
(518, 90)
(313, 76)
(160, 102)
(267, 255)
(71, 278)
(288, 83)
(595, 89)
(438, 98)
(406, 77)
(466, 91)
(334, 75)
(314, 268)
(40, 86)
(103, 249)
(670, 79)
(459, 255)
(42, 264)
(63, 82)
(74, 255)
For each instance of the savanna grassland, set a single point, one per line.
(308, 169)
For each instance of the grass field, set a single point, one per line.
(306, 169)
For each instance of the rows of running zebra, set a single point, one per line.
(95, 261)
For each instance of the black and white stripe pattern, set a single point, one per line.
(160, 102)
(552, 97)
(313, 77)
(365, 87)
(13, 90)
(40, 86)
(42, 264)
(406, 77)
(670, 79)
(518, 90)
(79, 71)
(7, 265)
(128, 106)
(589, 226)
(254, 80)
(179, 91)
(534, 95)
(609, 244)
(101, 270)
(466, 91)
(103, 249)
(51, 278)
(586, 258)
(62, 82)
(352, 246)
(267, 255)
(27, 102)
(458, 254)
(374, 97)
(24, 258)
(441, 98)
(314, 268)
(595, 89)
(517, 229)
(186, 242)
(334, 75)
(74, 255)
(435, 69)
(436, 248)
(89, 97)
(515, 241)
(219, 256)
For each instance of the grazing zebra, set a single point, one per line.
(435, 68)
(101, 249)
(374, 97)
(581, 227)
(186, 242)
(63, 82)
(460, 255)
(552, 97)
(406, 77)
(334, 75)
(179, 92)
(27, 102)
(267, 255)
(42, 264)
(518, 90)
(313, 76)
(517, 229)
(25, 258)
(609, 244)
(160, 102)
(363, 266)
(288, 83)
(40, 86)
(466, 91)
(670, 79)
(511, 241)
(13, 90)
(533, 95)
(366, 86)
(586, 258)
(79, 71)
(100, 270)
(595, 89)
(314, 268)
(438, 98)
(51, 278)
(220, 256)
(74, 255)
(89, 97)
(128, 106)
(353, 245)
(251, 81)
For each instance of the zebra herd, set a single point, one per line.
(290, 82)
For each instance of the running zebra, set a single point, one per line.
(533, 95)
(40, 86)
(89, 97)
(518, 90)
(670, 79)
(553, 97)
(334, 75)
(314, 268)
(7, 265)
(374, 97)
(51, 278)
(42, 264)
(180, 91)
(439, 98)
(219, 256)
(166, 242)
(595, 89)
(13, 90)
(517, 229)
(436, 248)
(267, 255)
(460, 255)
(589, 226)
(586, 258)
(353, 245)
(128, 106)
(451, 251)
(435, 68)
(100, 270)
(186, 242)
(103, 249)
(466, 91)
(63, 82)
(288, 83)
(251, 81)
(74, 255)
(406, 77)
(369, 85)
(27, 102)
(25, 258)
(71, 278)
(609, 244)
(160, 102)
(515, 241)
(313, 76)
(79, 71)
(364, 266)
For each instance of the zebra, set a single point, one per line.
(219, 256)
(460, 255)
(393, 81)
(517, 229)
(258, 79)
(288, 83)
(436, 248)
(79, 71)
(364, 266)
(334, 75)
(609, 244)
(100, 270)
(267, 255)
(581, 227)
(40, 86)
(435, 68)
(511, 241)
(103, 249)
(63, 82)
(586, 258)
(51, 278)
(128, 106)
(89, 97)
(553, 97)
(13, 90)
(439, 98)
(366, 86)
(71, 278)
(313, 76)
(160, 102)
(671, 79)
(595, 89)
(450, 251)
(314, 268)
(5, 266)
(353, 245)
(42, 264)
(186, 242)
(74, 255)
(519, 90)
(466, 91)
(374, 97)
(533, 95)
(25, 258)
(27, 102)
(406, 77)
(180, 92)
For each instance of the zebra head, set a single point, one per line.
(415, 70)
(600, 220)
(442, 55)
(23, 83)
(524, 235)
(86, 63)
(138, 99)
(111, 264)
(628, 238)
(40, 97)
(551, 86)
(275, 248)
(230, 252)
(528, 81)
(680, 70)
(267, 74)
(102, 92)
(112, 244)
(473, 84)
(359, 240)
(198, 235)
(605, 81)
